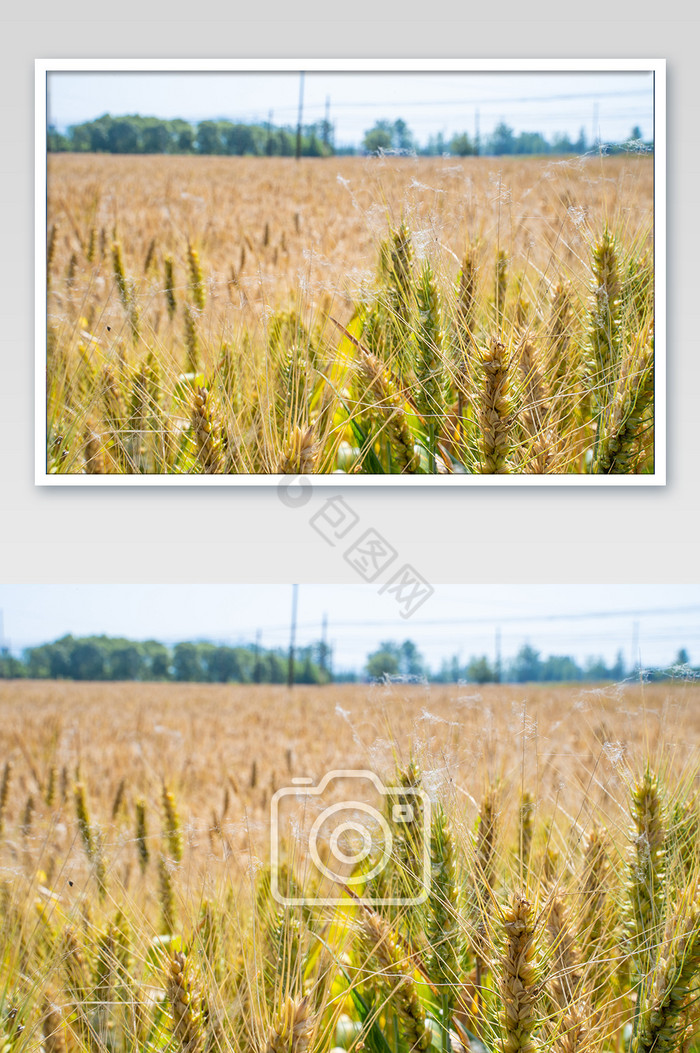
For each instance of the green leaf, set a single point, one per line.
(160, 948)
(370, 462)
(375, 1041)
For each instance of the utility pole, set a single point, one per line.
(324, 645)
(257, 671)
(301, 113)
(327, 123)
(636, 657)
(292, 636)
(269, 134)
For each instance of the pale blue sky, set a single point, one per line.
(559, 619)
(605, 103)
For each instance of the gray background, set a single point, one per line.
(519, 535)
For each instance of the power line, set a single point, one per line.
(292, 636)
(301, 115)
(519, 618)
(497, 100)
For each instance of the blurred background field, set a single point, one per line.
(225, 750)
(284, 228)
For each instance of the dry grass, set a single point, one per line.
(230, 269)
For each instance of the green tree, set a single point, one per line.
(480, 671)
(157, 660)
(184, 137)
(51, 660)
(531, 143)
(87, 661)
(410, 660)
(309, 672)
(327, 133)
(156, 138)
(501, 140)
(224, 666)
(37, 661)
(284, 142)
(239, 139)
(526, 665)
(209, 138)
(401, 137)
(274, 668)
(11, 668)
(559, 668)
(56, 141)
(313, 147)
(561, 144)
(618, 670)
(461, 145)
(379, 138)
(392, 659)
(187, 663)
(596, 669)
(127, 663)
(123, 137)
(384, 662)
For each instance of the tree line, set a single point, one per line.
(116, 658)
(526, 667)
(134, 134)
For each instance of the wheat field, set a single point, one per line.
(358, 315)
(560, 911)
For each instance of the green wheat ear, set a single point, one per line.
(605, 331)
(166, 896)
(429, 357)
(646, 886)
(191, 340)
(665, 1021)
(196, 278)
(396, 266)
(142, 835)
(169, 290)
(119, 275)
(390, 317)
(444, 918)
(500, 286)
(172, 830)
(5, 792)
(623, 423)
(51, 251)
